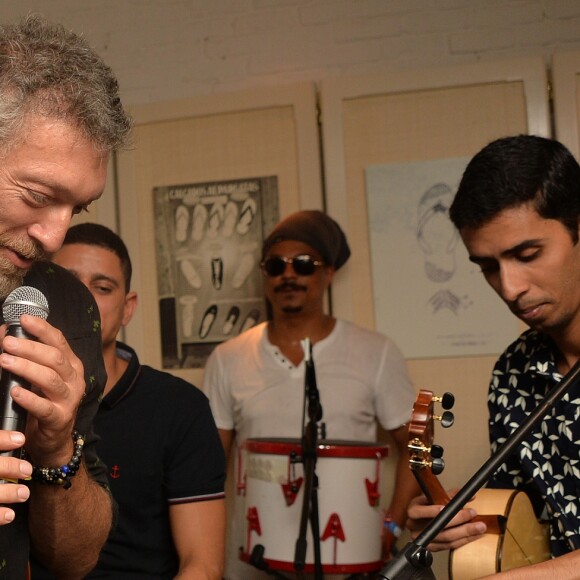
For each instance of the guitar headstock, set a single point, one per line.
(422, 452)
(425, 458)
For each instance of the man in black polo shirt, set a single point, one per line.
(158, 437)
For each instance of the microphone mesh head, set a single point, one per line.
(24, 300)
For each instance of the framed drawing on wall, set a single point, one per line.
(396, 118)
(420, 268)
(208, 241)
(566, 98)
(254, 154)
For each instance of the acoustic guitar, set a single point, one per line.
(514, 536)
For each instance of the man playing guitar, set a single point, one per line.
(517, 211)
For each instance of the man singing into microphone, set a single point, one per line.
(60, 119)
(255, 382)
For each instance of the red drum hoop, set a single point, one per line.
(326, 447)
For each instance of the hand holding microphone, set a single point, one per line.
(23, 300)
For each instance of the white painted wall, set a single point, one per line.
(167, 49)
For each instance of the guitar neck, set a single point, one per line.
(436, 495)
(421, 460)
(431, 487)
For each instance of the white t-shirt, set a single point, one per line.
(361, 377)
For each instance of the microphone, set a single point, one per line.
(23, 300)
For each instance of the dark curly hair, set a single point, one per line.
(517, 170)
(93, 234)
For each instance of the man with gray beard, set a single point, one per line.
(60, 119)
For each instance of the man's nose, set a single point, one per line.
(513, 282)
(50, 231)
(289, 271)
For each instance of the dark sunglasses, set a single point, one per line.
(303, 265)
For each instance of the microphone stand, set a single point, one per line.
(309, 457)
(413, 562)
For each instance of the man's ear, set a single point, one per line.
(129, 308)
(330, 271)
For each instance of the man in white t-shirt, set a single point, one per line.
(256, 381)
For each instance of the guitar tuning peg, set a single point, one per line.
(447, 400)
(437, 466)
(447, 419)
(436, 451)
(417, 446)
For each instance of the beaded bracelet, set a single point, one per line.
(62, 475)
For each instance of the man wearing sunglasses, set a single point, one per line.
(255, 382)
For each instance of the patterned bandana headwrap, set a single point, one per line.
(317, 230)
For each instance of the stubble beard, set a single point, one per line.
(292, 309)
(288, 306)
(10, 278)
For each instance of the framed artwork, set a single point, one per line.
(208, 249)
(198, 167)
(413, 117)
(420, 268)
(566, 95)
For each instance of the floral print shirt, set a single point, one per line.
(547, 463)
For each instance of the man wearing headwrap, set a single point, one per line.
(316, 230)
(255, 382)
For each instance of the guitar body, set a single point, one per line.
(524, 542)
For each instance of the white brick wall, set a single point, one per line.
(166, 49)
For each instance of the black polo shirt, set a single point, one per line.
(162, 447)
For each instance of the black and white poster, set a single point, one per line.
(428, 296)
(208, 244)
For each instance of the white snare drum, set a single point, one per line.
(271, 476)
